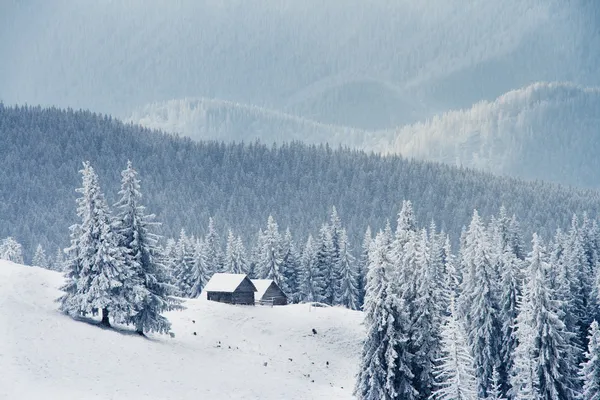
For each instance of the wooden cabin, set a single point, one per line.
(230, 289)
(268, 292)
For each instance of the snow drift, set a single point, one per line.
(219, 350)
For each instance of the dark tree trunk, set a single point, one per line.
(105, 320)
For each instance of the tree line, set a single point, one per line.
(497, 320)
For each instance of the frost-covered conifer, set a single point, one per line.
(290, 267)
(478, 304)
(199, 270)
(150, 292)
(362, 263)
(326, 264)
(39, 258)
(590, 368)
(384, 372)
(58, 264)
(184, 264)
(213, 248)
(312, 283)
(235, 255)
(11, 250)
(455, 377)
(98, 277)
(346, 293)
(271, 258)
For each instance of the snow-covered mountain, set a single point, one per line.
(205, 119)
(368, 65)
(548, 131)
(219, 350)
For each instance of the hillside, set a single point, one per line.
(206, 119)
(186, 182)
(545, 131)
(44, 354)
(369, 65)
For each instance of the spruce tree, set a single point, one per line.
(362, 263)
(39, 258)
(557, 379)
(98, 277)
(184, 264)
(213, 248)
(290, 268)
(326, 265)
(590, 368)
(271, 258)
(235, 257)
(346, 293)
(151, 293)
(312, 283)
(11, 250)
(455, 377)
(199, 269)
(478, 303)
(384, 373)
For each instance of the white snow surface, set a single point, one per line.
(222, 282)
(47, 355)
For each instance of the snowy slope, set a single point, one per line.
(224, 120)
(44, 354)
(548, 131)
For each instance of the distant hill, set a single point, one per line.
(184, 182)
(368, 65)
(219, 350)
(548, 131)
(206, 119)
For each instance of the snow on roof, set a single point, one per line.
(261, 287)
(224, 282)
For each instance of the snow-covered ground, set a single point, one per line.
(237, 352)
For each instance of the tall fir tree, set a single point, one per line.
(478, 303)
(362, 263)
(98, 277)
(58, 264)
(39, 258)
(290, 268)
(213, 248)
(557, 378)
(151, 293)
(590, 368)
(326, 264)
(384, 372)
(271, 258)
(235, 255)
(346, 293)
(312, 283)
(199, 274)
(455, 377)
(184, 264)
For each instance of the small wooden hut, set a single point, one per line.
(230, 288)
(268, 292)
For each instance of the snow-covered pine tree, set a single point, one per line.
(235, 255)
(184, 264)
(271, 258)
(478, 304)
(362, 263)
(150, 292)
(290, 268)
(495, 387)
(383, 373)
(455, 377)
(199, 272)
(312, 283)
(213, 248)
(39, 258)
(58, 263)
(524, 379)
(98, 277)
(590, 368)
(507, 265)
(326, 264)
(427, 315)
(346, 293)
(557, 378)
(11, 250)
(255, 255)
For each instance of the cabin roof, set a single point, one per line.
(261, 286)
(226, 283)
